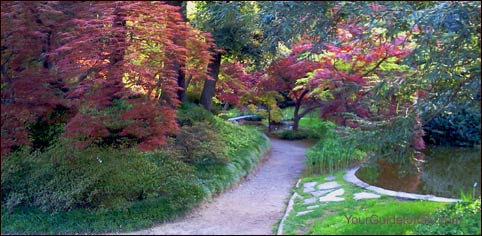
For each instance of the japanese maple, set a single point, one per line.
(353, 69)
(282, 76)
(113, 65)
(129, 50)
(30, 92)
(234, 82)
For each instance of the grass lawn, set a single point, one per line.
(374, 216)
(311, 121)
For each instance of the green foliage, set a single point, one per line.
(389, 140)
(333, 152)
(377, 213)
(43, 133)
(459, 128)
(189, 114)
(62, 179)
(285, 21)
(140, 214)
(332, 218)
(233, 25)
(245, 147)
(200, 144)
(100, 189)
(299, 134)
(458, 218)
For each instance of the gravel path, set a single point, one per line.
(254, 206)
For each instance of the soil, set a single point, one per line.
(252, 207)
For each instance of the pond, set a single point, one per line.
(447, 172)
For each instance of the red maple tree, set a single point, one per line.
(234, 83)
(352, 68)
(117, 64)
(283, 76)
(30, 92)
(132, 53)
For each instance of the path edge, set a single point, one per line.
(288, 209)
(350, 177)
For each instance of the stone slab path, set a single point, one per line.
(329, 190)
(254, 206)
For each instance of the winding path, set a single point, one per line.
(254, 206)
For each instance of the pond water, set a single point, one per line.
(447, 172)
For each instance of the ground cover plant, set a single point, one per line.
(353, 217)
(110, 189)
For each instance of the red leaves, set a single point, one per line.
(376, 7)
(29, 91)
(349, 67)
(302, 48)
(85, 129)
(234, 82)
(107, 51)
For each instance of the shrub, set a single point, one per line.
(110, 189)
(189, 114)
(244, 146)
(457, 218)
(199, 144)
(291, 135)
(459, 128)
(62, 178)
(299, 134)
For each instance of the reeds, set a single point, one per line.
(331, 154)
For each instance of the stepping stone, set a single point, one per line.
(309, 200)
(310, 184)
(330, 178)
(365, 195)
(312, 207)
(320, 193)
(333, 196)
(309, 190)
(328, 185)
(303, 213)
(298, 183)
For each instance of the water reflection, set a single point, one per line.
(447, 172)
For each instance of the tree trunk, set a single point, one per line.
(181, 83)
(226, 106)
(296, 122)
(296, 116)
(181, 77)
(210, 84)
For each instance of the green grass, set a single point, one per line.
(331, 218)
(376, 217)
(289, 111)
(311, 121)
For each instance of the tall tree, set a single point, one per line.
(114, 65)
(137, 59)
(181, 77)
(282, 77)
(30, 92)
(233, 27)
